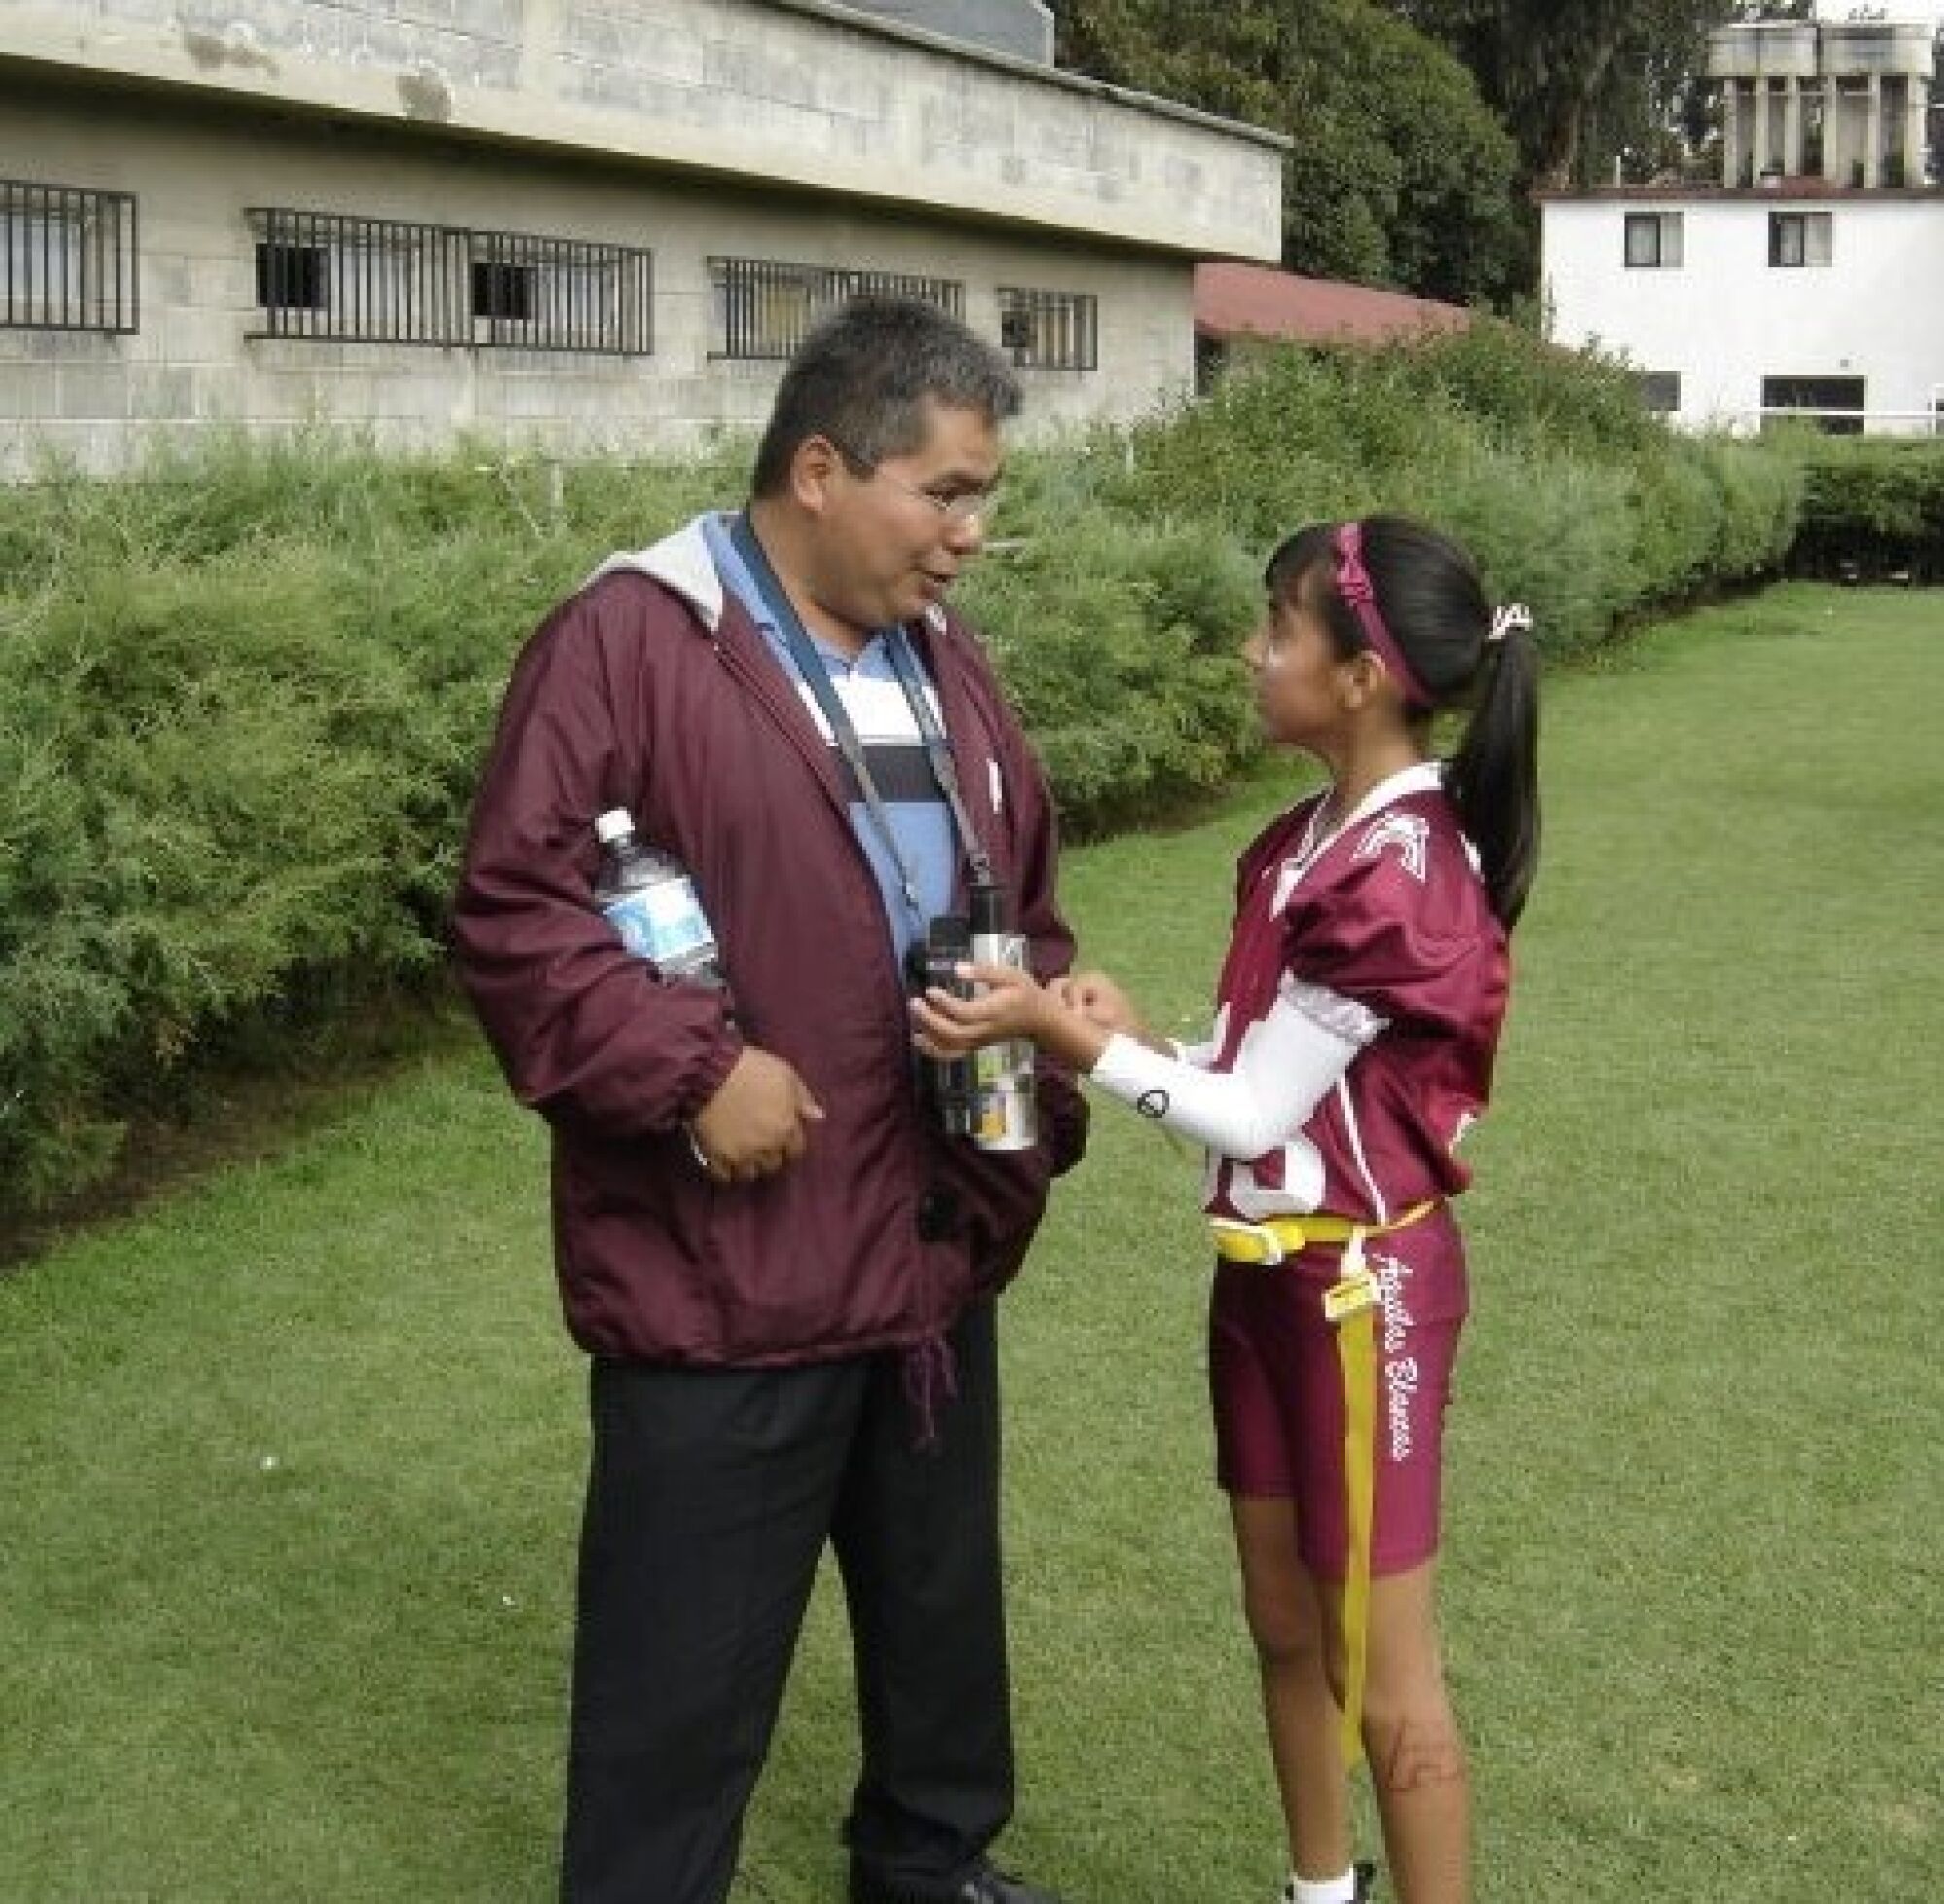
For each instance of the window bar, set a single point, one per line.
(73, 237)
(289, 233)
(395, 281)
(310, 317)
(33, 249)
(100, 292)
(49, 314)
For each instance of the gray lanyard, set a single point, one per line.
(844, 730)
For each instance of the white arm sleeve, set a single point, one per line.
(1285, 1065)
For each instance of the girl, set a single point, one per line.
(1358, 1012)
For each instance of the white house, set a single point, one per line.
(1811, 278)
(576, 223)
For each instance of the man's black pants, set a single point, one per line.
(710, 1498)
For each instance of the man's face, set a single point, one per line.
(893, 538)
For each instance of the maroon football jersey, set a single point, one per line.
(1383, 929)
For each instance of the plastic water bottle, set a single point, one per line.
(650, 901)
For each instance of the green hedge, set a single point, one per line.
(1873, 510)
(243, 697)
(1541, 462)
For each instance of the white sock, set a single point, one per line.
(1321, 1890)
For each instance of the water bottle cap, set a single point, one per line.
(615, 825)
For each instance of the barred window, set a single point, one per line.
(329, 275)
(1049, 329)
(67, 258)
(764, 308)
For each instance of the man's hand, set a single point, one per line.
(1006, 1003)
(756, 1123)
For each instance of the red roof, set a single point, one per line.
(1250, 300)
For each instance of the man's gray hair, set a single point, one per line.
(863, 379)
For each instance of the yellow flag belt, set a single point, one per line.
(1352, 1303)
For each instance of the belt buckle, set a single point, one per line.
(1259, 1234)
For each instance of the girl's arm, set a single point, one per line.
(1285, 1065)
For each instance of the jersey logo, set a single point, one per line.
(1408, 833)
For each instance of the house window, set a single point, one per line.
(1799, 238)
(1049, 329)
(763, 308)
(1836, 405)
(1659, 391)
(67, 258)
(1653, 241)
(328, 275)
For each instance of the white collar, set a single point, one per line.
(1425, 777)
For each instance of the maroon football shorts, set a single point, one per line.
(1277, 1389)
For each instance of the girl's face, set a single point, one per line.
(1299, 681)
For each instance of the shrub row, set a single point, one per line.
(1541, 462)
(1872, 510)
(243, 697)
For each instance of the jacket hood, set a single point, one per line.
(680, 562)
(684, 563)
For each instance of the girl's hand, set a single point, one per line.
(1009, 1004)
(1096, 996)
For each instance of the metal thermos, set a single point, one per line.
(1007, 1111)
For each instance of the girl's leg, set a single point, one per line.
(1285, 1617)
(1410, 1738)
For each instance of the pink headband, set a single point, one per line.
(1354, 585)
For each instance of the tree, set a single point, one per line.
(1581, 83)
(1399, 174)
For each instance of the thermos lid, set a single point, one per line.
(988, 910)
(615, 823)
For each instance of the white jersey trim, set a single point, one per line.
(1378, 1202)
(1284, 1067)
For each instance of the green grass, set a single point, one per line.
(289, 1465)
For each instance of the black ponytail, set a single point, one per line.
(1436, 609)
(1493, 779)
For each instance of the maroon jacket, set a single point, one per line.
(651, 690)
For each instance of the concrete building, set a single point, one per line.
(1809, 280)
(573, 224)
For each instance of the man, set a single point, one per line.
(782, 1265)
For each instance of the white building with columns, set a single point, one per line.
(1811, 279)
